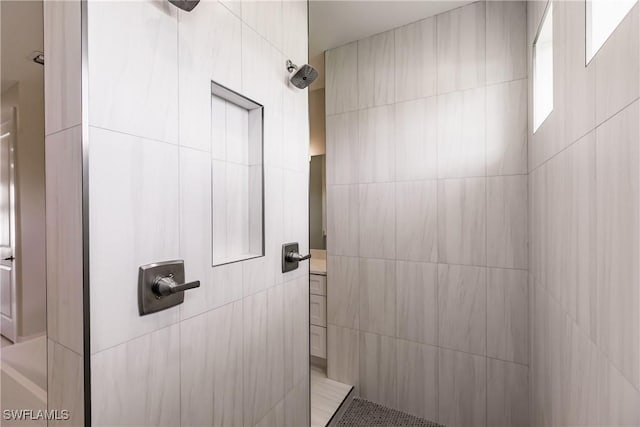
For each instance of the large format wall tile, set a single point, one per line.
(255, 360)
(343, 355)
(376, 151)
(507, 221)
(416, 139)
(461, 134)
(209, 41)
(378, 374)
(416, 221)
(618, 227)
(62, 84)
(507, 330)
(377, 221)
(134, 69)
(415, 60)
(343, 291)
(342, 149)
(63, 153)
(211, 367)
(138, 382)
(265, 17)
(65, 383)
(417, 379)
(417, 302)
(341, 68)
(507, 394)
(377, 296)
(461, 48)
(376, 70)
(462, 221)
(506, 41)
(134, 221)
(296, 330)
(507, 128)
(462, 394)
(462, 308)
(343, 219)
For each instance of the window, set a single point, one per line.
(237, 176)
(603, 17)
(543, 70)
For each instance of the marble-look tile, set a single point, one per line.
(618, 227)
(506, 41)
(417, 378)
(617, 67)
(416, 302)
(343, 291)
(219, 285)
(62, 86)
(416, 139)
(65, 386)
(274, 228)
(296, 218)
(584, 225)
(275, 417)
(211, 367)
(341, 75)
(295, 135)
(462, 389)
(462, 221)
(378, 371)
(296, 331)
(209, 42)
(342, 148)
(507, 394)
(376, 151)
(618, 399)
(255, 360)
(265, 17)
(127, 94)
(461, 134)
(295, 34)
(275, 345)
(377, 296)
(377, 221)
(343, 220)
(134, 220)
(416, 221)
(461, 48)
(296, 405)
(63, 154)
(376, 70)
(235, 6)
(138, 382)
(415, 60)
(462, 308)
(507, 221)
(507, 128)
(343, 355)
(580, 89)
(264, 79)
(507, 329)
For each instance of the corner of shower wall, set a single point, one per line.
(67, 308)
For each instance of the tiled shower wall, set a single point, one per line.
(585, 227)
(427, 216)
(236, 352)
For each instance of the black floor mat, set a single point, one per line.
(362, 413)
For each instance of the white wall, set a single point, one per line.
(236, 351)
(427, 196)
(584, 229)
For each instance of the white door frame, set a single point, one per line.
(9, 324)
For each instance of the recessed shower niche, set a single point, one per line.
(237, 176)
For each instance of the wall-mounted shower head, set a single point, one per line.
(186, 5)
(301, 77)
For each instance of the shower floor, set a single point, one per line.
(362, 413)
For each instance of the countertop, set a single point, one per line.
(318, 264)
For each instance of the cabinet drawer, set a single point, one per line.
(318, 310)
(318, 337)
(317, 284)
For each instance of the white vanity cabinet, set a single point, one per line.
(318, 314)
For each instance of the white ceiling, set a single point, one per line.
(335, 23)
